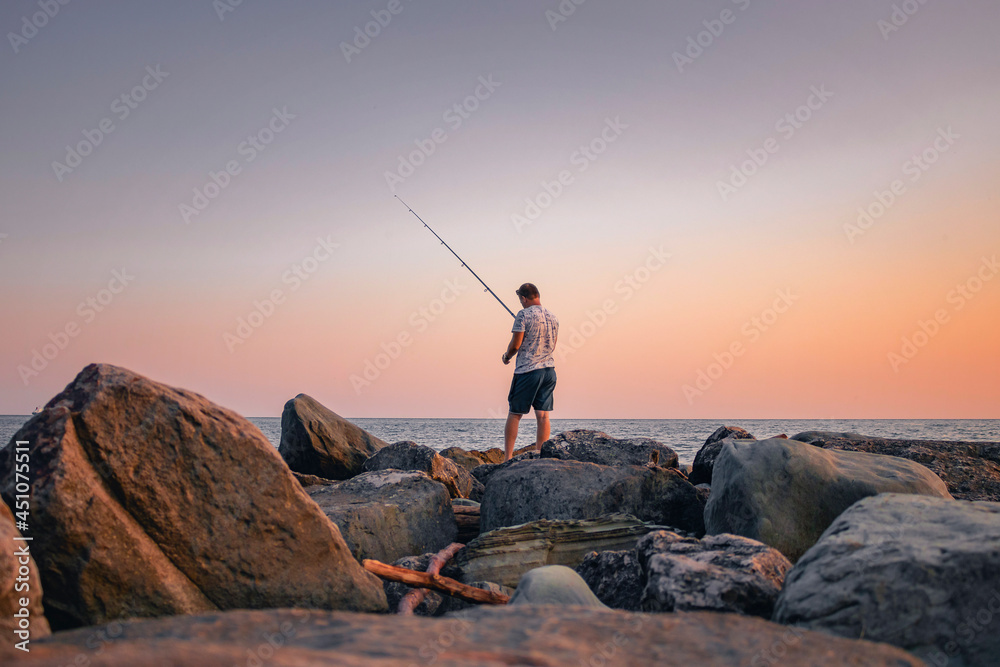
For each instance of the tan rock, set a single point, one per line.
(317, 441)
(19, 583)
(150, 500)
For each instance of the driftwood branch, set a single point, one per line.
(433, 581)
(417, 595)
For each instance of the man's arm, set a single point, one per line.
(515, 344)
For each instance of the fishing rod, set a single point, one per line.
(456, 255)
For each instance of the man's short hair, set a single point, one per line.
(528, 291)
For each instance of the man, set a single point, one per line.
(535, 333)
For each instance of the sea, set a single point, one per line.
(685, 436)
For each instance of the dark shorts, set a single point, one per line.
(532, 390)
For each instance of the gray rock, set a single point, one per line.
(407, 455)
(819, 437)
(600, 448)
(552, 489)
(704, 460)
(505, 554)
(615, 577)
(917, 572)
(149, 500)
(718, 573)
(971, 470)
(785, 493)
(485, 471)
(317, 441)
(388, 514)
(554, 585)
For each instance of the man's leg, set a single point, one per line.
(510, 434)
(542, 417)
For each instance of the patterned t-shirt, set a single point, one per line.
(540, 329)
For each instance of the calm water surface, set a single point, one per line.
(685, 436)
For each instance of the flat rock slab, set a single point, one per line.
(971, 470)
(921, 573)
(785, 493)
(542, 636)
(389, 514)
(505, 554)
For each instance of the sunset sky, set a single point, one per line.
(203, 193)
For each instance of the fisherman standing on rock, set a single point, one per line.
(535, 333)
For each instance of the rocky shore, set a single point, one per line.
(165, 529)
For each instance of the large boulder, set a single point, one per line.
(914, 571)
(971, 470)
(388, 514)
(317, 441)
(521, 635)
(148, 500)
(505, 554)
(601, 448)
(704, 460)
(407, 455)
(717, 573)
(785, 493)
(22, 619)
(553, 489)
